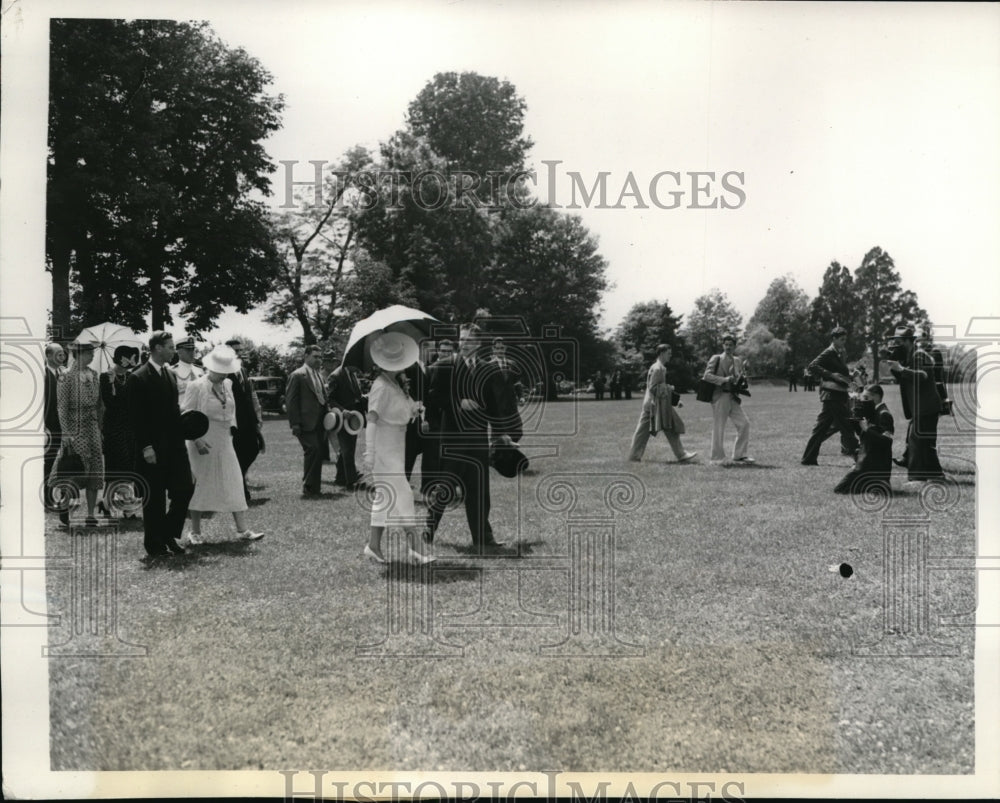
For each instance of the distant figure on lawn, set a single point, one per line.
(728, 372)
(658, 413)
(615, 385)
(599, 384)
(793, 376)
(874, 462)
(835, 382)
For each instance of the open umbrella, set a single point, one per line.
(106, 337)
(396, 318)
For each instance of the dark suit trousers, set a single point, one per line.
(469, 468)
(921, 449)
(247, 448)
(347, 467)
(430, 462)
(168, 477)
(52, 442)
(414, 446)
(832, 418)
(312, 459)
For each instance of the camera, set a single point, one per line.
(893, 350)
(862, 408)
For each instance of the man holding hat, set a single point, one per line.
(162, 459)
(344, 394)
(727, 371)
(305, 403)
(657, 408)
(185, 370)
(835, 381)
(914, 371)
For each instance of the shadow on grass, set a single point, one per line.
(257, 502)
(747, 466)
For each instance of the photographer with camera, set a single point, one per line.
(835, 382)
(728, 373)
(875, 426)
(922, 404)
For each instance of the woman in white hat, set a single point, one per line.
(390, 409)
(218, 480)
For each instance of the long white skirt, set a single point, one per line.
(393, 503)
(218, 481)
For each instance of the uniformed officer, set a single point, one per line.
(185, 370)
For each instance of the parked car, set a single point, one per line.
(270, 393)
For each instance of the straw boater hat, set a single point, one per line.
(222, 360)
(394, 351)
(333, 421)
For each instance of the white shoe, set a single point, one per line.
(744, 460)
(191, 539)
(250, 535)
(687, 456)
(373, 555)
(419, 558)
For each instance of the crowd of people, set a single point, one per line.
(850, 407)
(165, 427)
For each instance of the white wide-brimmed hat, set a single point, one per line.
(222, 360)
(394, 351)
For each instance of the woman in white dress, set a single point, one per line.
(390, 409)
(218, 480)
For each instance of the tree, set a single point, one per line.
(316, 242)
(784, 312)
(475, 122)
(766, 355)
(882, 302)
(836, 304)
(712, 317)
(647, 325)
(155, 131)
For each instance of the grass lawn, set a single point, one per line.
(721, 640)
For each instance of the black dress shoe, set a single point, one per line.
(809, 463)
(64, 517)
(90, 521)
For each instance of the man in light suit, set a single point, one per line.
(161, 459)
(305, 403)
(725, 370)
(659, 395)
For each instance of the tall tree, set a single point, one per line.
(155, 131)
(316, 241)
(882, 302)
(645, 326)
(784, 312)
(836, 304)
(766, 355)
(712, 317)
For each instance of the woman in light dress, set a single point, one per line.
(218, 480)
(390, 409)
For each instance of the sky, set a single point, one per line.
(853, 126)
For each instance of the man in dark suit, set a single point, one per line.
(162, 460)
(248, 440)
(504, 378)
(835, 381)
(55, 359)
(305, 403)
(873, 467)
(914, 371)
(343, 392)
(416, 379)
(458, 398)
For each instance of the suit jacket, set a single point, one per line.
(504, 382)
(248, 414)
(712, 373)
(917, 387)
(303, 403)
(828, 363)
(154, 412)
(50, 401)
(450, 382)
(343, 391)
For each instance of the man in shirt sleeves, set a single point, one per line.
(161, 459)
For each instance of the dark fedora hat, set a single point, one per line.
(193, 424)
(508, 460)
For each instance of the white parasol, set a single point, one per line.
(106, 337)
(396, 318)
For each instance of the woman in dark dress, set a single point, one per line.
(119, 448)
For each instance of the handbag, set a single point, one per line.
(69, 464)
(706, 389)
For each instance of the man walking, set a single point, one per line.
(458, 398)
(914, 371)
(248, 440)
(185, 371)
(305, 403)
(658, 411)
(727, 371)
(162, 459)
(835, 380)
(55, 359)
